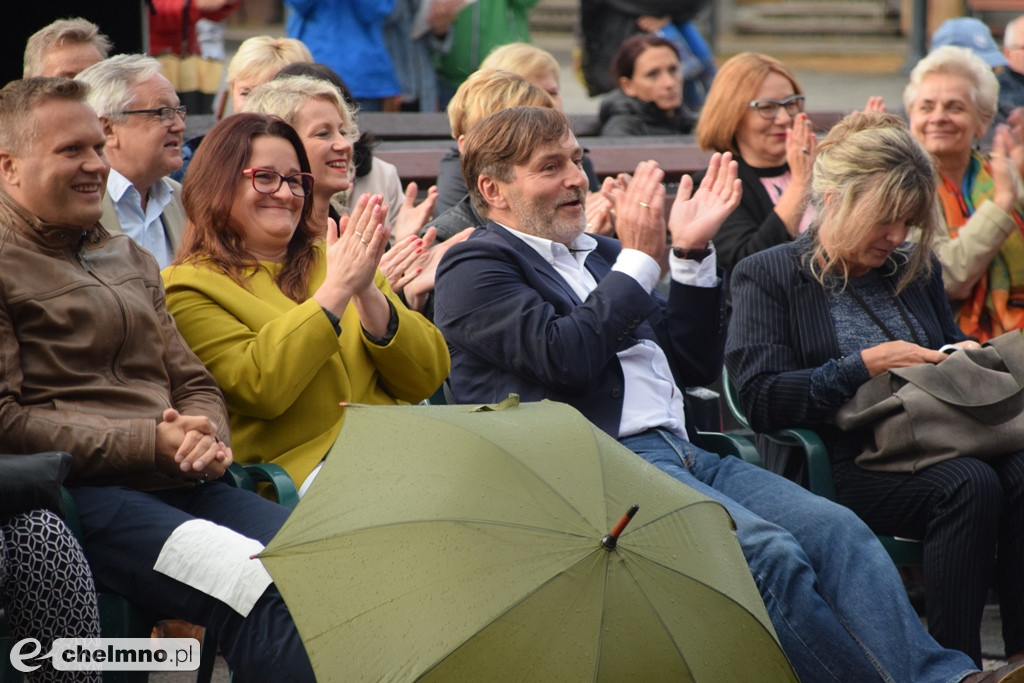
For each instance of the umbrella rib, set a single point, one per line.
(283, 549)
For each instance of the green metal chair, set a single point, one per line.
(903, 551)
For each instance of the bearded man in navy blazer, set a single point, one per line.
(531, 304)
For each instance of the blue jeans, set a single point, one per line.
(833, 595)
(124, 531)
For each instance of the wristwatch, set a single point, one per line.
(697, 255)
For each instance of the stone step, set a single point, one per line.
(817, 17)
(816, 25)
(554, 15)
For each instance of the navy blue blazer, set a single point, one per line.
(781, 330)
(513, 325)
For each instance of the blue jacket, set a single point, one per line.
(347, 35)
(513, 325)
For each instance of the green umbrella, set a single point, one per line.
(443, 543)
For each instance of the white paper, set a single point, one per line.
(216, 560)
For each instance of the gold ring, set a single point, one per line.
(357, 233)
(363, 241)
(645, 205)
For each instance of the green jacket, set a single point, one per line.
(480, 28)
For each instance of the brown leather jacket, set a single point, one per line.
(89, 355)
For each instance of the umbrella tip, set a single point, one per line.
(610, 540)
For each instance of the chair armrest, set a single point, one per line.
(728, 444)
(819, 467)
(284, 488)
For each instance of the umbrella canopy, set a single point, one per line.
(443, 543)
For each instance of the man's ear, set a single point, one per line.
(461, 142)
(108, 129)
(9, 169)
(493, 192)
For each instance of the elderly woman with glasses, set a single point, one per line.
(291, 326)
(755, 109)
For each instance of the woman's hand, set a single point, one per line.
(897, 354)
(405, 260)
(652, 24)
(875, 103)
(801, 143)
(412, 217)
(422, 284)
(354, 248)
(694, 220)
(601, 205)
(1006, 153)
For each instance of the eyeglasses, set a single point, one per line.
(165, 114)
(768, 109)
(266, 181)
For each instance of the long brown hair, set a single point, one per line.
(209, 192)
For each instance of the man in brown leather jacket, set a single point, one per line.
(91, 363)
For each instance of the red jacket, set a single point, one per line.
(165, 30)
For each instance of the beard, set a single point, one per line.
(541, 217)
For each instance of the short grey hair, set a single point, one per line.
(958, 61)
(75, 31)
(112, 82)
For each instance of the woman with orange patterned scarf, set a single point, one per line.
(950, 101)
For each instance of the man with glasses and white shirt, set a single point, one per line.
(144, 124)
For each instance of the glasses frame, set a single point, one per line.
(165, 114)
(800, 101)
(281, 180)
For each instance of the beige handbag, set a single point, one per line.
(971, 404)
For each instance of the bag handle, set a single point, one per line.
(1011, 350)
(962, 381)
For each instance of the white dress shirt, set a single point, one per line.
(145, 227)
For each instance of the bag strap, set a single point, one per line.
(184, 27)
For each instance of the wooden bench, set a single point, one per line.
(392, 126)
(677, 155)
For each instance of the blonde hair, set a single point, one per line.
(261, 57)
(869, 169)
(285, 97)
(953, 60)
(734, 87)
(75, 31)
(487, 92)
(529, 61)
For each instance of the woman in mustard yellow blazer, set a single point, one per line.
(290, 326)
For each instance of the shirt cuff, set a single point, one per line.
(639, 266)
(335, 320)
(690, 272)
(392, 327)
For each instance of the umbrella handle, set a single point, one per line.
(609, 541)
